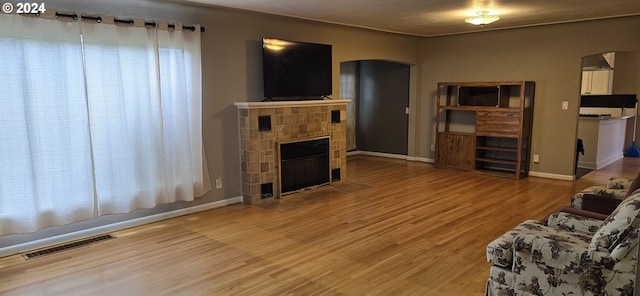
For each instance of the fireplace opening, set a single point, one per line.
(304, 164)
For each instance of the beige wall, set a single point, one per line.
(232, 71)
(232, 60)
(549, 55)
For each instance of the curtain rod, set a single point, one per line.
(119, 21)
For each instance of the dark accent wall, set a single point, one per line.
(383, 96)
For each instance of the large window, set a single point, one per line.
(96, 119)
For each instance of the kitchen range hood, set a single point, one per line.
(595, 62)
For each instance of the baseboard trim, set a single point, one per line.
(605, 162)
(390, 155)
(552, 176)
(421, 159)
(378, 154)
(602, 163)
(67, 237)
(430, 160)
(587, 165)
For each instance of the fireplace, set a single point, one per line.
(303, 164)
(266, 126)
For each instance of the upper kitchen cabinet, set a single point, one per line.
(597, 74)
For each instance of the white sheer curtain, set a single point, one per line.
(119, 133)
(45, 176)
(181, 78)
(145, 111)
(126, 116)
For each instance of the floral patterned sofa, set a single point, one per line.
(570, 255)
(616, 188)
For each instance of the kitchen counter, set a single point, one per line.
(604, 118)
(619, 113)
(603, 139)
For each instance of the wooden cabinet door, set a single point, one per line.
(456, 150)
(498, 124)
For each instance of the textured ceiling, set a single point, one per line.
(436, 17)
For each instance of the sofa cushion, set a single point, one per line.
(618, 225)
(573, 222)
(556, 249)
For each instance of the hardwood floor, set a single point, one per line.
(393, 228)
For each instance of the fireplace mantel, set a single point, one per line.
(287, 121)
(282, 104)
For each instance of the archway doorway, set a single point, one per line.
(377, 119)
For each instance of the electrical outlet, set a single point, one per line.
(219, 183)
(565, 105)
(536, 158)
(433, 147)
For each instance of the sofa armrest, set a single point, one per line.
(619, 183)
(576, 199)
(500, 250)
(599, 204)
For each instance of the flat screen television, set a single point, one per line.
(296, 70)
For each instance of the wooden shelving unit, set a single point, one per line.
(485, 126)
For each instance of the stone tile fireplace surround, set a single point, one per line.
(289, 121)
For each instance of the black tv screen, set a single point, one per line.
(296, 70)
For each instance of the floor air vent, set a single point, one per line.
(67, 246)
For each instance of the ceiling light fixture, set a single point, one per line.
(483, 18)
